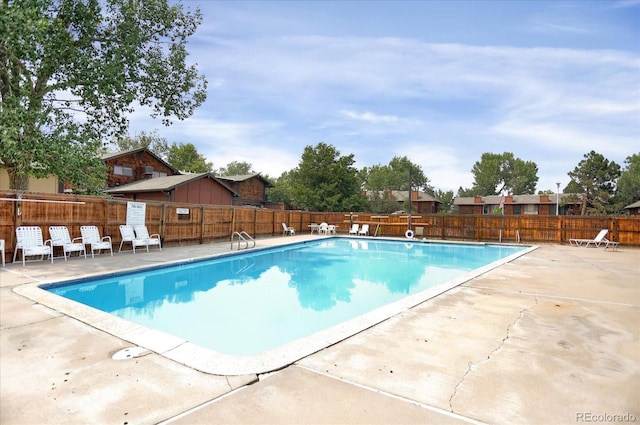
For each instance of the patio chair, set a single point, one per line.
(288, 230)
(323, 229)
(91, 236)
(128, 235)
(60, 237)
(364, 231)
(2, 251)
(354, 229)
(29, 241)
(143, 234)
(597, 241)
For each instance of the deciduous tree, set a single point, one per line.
(71, 71)
(185, 157)
(497, 173)
(628, 187)
(395, 176)
(326, 181)
(151, 141)
(237, 168)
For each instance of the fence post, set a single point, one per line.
(560, 229)
(163, 219)
(202, 212)
(233, 221)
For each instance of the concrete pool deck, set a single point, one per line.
(551, 337)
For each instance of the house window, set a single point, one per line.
(120, 170)
(489, 209)
(531, 209)
(517, 210)
(159, 174)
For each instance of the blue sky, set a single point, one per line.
(439, 82)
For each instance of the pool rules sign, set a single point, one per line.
(135, 213)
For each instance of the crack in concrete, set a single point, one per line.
(472, 365)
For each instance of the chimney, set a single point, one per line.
(414, 195)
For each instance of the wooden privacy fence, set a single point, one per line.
(180, 224)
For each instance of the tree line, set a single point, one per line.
(326, 180)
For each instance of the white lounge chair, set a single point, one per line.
(597, 241)
(128, 235)
(288, 230)
(364, 231)
(29, 241)
(60, 237)
(91, 236)
(354, 229)
(143, 234)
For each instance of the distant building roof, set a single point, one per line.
(634, 205)
(163, 183)
(517, 199)
(244, 177)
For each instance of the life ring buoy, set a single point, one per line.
(409, 234)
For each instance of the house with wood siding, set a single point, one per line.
(634, 209)
(251, 189)
(135, 164)
(199, 188)
(544, 204)
(421, 202)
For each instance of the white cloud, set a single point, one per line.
(441, 105)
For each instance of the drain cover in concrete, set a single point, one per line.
(130, 353)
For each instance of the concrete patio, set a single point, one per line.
(552, 337)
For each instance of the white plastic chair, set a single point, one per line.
(143, 234)
(128, 235)
(364, 231)
(29, 241)
(323, 229)
(60, 237)
(2, 251)
(288, 230)
(354, 229)
(91, 236)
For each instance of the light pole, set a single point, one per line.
(557, 198)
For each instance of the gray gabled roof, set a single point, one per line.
(158, 184)
(244, 177)
(634, 205)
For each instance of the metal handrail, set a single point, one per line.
(243, 237)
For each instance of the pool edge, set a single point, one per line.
(209, 361)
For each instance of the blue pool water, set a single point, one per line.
(252, 302)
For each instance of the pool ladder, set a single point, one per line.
(243, 237)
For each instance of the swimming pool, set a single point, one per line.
(267, 306)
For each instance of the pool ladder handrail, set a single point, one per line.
(243, 237)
